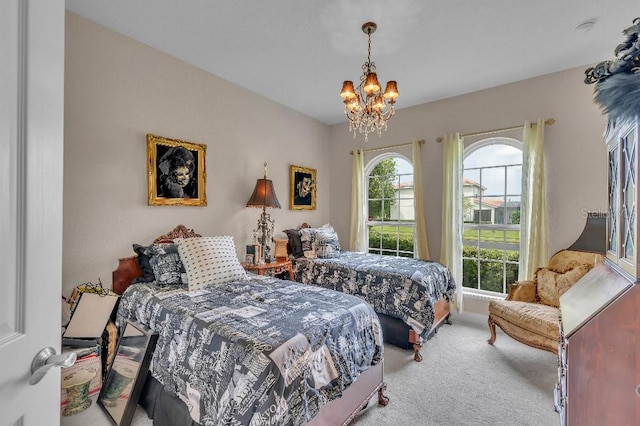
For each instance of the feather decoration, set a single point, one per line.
(619, 96)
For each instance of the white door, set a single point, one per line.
(31, 155)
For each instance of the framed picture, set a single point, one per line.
(125, 379)
(302, 195)
(176, 172)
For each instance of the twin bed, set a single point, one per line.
(247, 350)
(410, 296)
(241, 349)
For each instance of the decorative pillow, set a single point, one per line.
(143, 261)
(327, 244)
(307, 237)
(210, 260)
(166, 264)
(295, 244)
(552, 285)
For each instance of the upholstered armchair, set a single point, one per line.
(530, 313)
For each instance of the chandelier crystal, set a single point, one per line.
(366, 107)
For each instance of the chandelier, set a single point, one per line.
(366, 107)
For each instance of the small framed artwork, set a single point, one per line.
(125, 379)
(302, 195)
(176, 172)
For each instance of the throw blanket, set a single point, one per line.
(258, 352)
(400, 287)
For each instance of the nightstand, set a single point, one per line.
(276, 267)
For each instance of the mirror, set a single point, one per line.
(125, 379)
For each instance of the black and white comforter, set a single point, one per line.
(258, 352)
(400, 287)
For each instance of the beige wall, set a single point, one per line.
(575, 152)
(117, 90)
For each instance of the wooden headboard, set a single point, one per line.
(128, 267)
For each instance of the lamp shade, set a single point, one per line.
(263, 195)
(371, 84)
(347, 91)
(391, 92)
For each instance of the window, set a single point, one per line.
(491, 208)
(390, 212)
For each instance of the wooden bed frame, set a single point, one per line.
(442, 314)
(340, 411)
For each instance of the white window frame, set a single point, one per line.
(501, 227)
(367, 170)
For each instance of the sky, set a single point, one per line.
(492, 179)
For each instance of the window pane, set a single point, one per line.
(375, 209)
(491, 276)
(494, 180)
(405, 210)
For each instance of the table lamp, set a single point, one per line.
(264, 196)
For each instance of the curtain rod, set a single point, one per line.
(421, 141)
(548, 122)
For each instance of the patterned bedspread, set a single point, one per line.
(258, 352)
(400, 287)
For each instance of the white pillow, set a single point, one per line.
(209, 260)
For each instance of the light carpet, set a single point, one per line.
(461, 381)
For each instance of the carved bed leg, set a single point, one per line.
(416, 341)
(492, 328)
(383, 400)
(448, 320)
(417, 357)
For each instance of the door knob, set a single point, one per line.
(46, 359)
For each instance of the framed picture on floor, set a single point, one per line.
(302, 194)
(176, 172)
(125, 379)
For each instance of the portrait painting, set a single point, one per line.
(302, 188)
(176, 172)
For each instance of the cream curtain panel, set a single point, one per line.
(533, 222)
(357, 241)
(421, 242)
(451, 246)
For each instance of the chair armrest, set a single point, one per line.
(523, 291)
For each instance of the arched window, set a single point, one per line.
(492, 181)
(390, 206)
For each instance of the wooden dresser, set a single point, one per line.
(599, 348)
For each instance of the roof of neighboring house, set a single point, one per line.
(403, 185)
(469, 182)
(497, 202)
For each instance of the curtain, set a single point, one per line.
(422, 244)
(533, 214)
(357, 241)
(451, 245)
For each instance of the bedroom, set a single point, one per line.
(117, 90)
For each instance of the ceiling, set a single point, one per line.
(298, 53)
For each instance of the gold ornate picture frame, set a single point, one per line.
(176, 172)
(302, 193)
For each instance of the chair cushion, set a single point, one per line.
(532, 317)
(565, 260)
(552, 285)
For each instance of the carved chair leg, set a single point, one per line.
(492, 329)
(383, 400)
